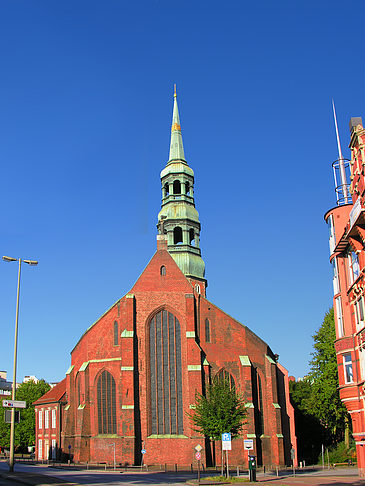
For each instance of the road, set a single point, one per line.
(44, 475)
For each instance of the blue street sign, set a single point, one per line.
(143, 451)
(226, 437)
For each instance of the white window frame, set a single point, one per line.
(40, 421)
(362, 362)
(336, 281)
(46, 419)
(353, 266)
(347, 368)
(360, 313)
(332, 236)
(340, 329)
(40, 451)
(53, 418)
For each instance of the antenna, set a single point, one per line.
(340, 164)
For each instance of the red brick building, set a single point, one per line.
(48, 419)
(134, 373)
(346, 224)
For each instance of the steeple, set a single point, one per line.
(178, 218)
(176, 144)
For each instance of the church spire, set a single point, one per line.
(176, 144)
(178, 220)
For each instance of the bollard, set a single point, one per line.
(87, 465)
(238, 471)
(165, 467)
(264, 470)
(175, 467)
(277, 471)
(105, 466)
(191, 467)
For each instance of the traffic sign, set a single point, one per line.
(226, 441)
(198, 448)
(143, 451)
(14, 404)
(248, 444)
(198, 456)
(7, 416)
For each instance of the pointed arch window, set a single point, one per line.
(165, 375)
(207, 331)
(187, 188)
(115, 332)
(78, 389)
(107, 419)
(224, 375)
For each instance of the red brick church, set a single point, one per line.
(134, 373)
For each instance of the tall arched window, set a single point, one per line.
(207, 331)
(260, 406)
(115, 330)
(224, 375)
(78, 389)
(165, 374)
(107, 419)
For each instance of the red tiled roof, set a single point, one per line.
(54, 394)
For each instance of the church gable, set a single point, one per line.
(162, 275)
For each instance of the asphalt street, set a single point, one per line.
(38, 475)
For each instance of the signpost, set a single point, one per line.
(14, 404)
(143, 452)
(226, 446)
(198, 457)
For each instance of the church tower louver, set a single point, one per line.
(178, 218)
(135, 372)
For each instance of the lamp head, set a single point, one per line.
(9, 259)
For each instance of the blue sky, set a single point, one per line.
(85, 111)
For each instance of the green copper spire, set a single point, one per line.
(178, 218)
(176, 145)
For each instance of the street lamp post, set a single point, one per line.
(12, 426)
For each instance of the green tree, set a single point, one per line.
(221, 410)
(324, 401)
(25, 430)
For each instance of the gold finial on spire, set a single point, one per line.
(174, 90)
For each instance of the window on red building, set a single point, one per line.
(353, 266)
(107, 420)
(339, 317)
(116, 336)
(347, 365)
(207, 331)
(40, 421)
(359, 312)
(53, 419)
(225, 375)
(165, 375)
